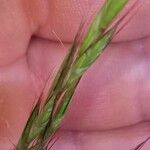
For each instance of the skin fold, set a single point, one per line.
(110, 109)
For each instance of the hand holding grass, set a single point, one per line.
(113, 93)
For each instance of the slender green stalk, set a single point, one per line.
(42, 124)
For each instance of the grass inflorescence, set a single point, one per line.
(44, 122)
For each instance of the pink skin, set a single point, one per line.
(110, 110)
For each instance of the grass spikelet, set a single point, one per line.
(43, 124)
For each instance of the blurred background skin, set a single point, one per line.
(110, 113)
